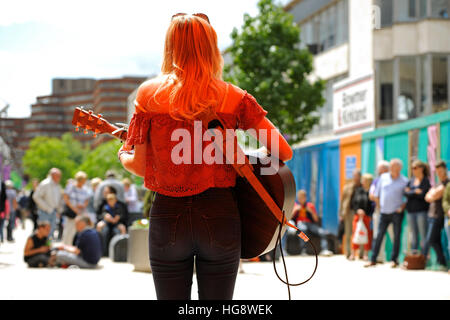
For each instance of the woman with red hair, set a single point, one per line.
(194, 214)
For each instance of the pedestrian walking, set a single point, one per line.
(389, 194)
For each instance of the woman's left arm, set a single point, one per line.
(134, 162)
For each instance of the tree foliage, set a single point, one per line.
(102, 159)
(45, 153)
(267, 62)
(70, 156)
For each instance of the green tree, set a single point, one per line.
(77, 151)
(267, 62)
(70, 156)
(104, 158)
(45, 153)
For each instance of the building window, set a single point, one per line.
(386, 90)
(440, 8)
(341, 22)
(425, 76)
(411, 10)
(326, 29)
(406, 102)
(419, 85)
(331, 27)
(386, 11)
(423, 5)
(440, 83)
(404, 10)
(323, 33)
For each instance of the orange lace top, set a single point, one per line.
(152, 125)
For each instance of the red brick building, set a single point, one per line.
(51, 115)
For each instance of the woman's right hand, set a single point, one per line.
(281, 148)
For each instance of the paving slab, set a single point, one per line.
(336, 278)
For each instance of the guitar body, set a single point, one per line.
(259, 227)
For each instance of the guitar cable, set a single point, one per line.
(278, 243)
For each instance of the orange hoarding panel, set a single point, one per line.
(350, 152)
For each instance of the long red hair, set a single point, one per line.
(192, 67)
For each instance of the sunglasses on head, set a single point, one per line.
(200, 15)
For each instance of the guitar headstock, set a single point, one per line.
(89, 121)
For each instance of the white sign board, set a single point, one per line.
(353, 104)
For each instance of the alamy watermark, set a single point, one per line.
(376, 17)
(221, 147)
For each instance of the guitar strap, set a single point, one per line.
(239, 160)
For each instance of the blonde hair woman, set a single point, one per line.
(76, 198)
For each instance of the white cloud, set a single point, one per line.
(95, 38)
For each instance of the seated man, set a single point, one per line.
(307, 220)
(37, 247)
(114, 220)
(88, 247)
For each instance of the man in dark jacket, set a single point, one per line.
(87, 251)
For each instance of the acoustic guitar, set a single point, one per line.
(260, 219)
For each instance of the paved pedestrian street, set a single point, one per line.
(336, 278)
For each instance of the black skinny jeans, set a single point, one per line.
(205, 226)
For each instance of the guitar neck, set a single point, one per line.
(119, 133)
(89, 121)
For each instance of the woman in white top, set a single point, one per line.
(76, 197)
(131, 196)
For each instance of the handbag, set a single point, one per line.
(414, 261)
(360, 237)
(68, 212)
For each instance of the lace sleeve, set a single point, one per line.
(138, 129)
(250, 113)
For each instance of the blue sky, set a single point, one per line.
(45, 39)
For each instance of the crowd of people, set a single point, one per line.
(71, 226)
(368, 207)
(85, 215)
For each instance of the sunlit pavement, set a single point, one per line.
(336, 278)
